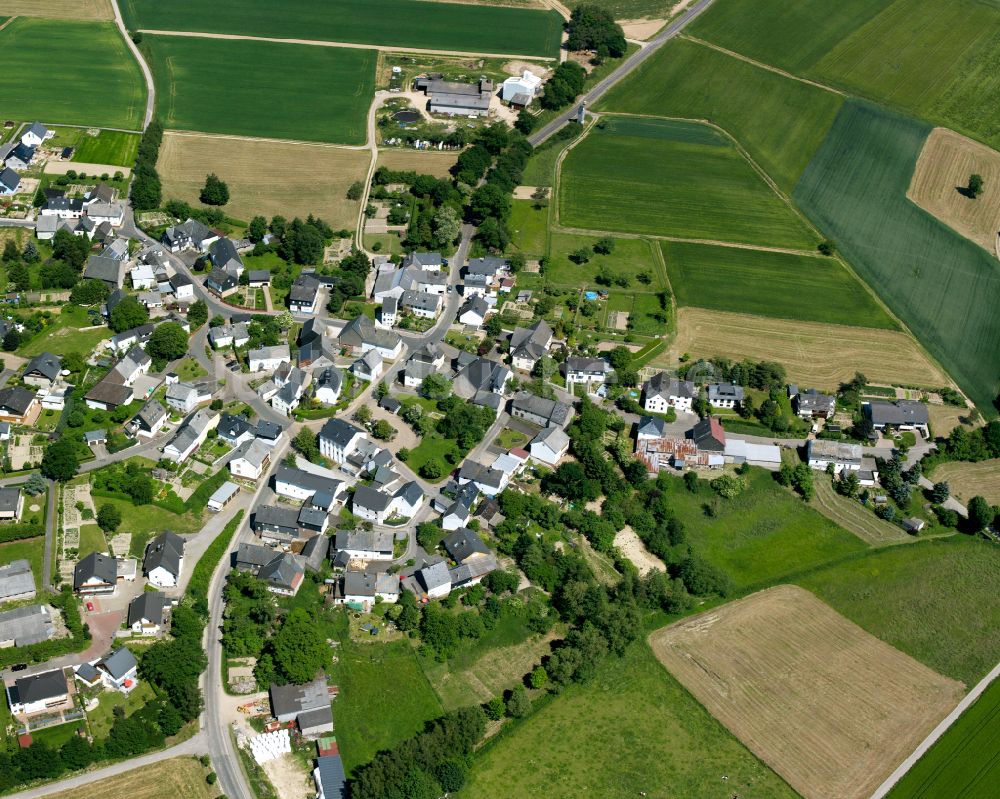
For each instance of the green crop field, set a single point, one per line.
(672, 178)
(528, 227)
(395, 23)
(779, 121)
(934, 600)
(770, 284)
(263, 89)
(74, 73)
(965, 761)
(760, 536)
(632, 730)
(939, 283)
(631, 258)
(108, 147)
(384, 698)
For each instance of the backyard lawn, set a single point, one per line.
(29, 549)
(631, 259)
(432, 447)
(64, 335)
(102, 717)
(146, 521)
(92, 537)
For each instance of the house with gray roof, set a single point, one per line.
(224, 256)
(25, 626)
(529, 344)
(540, 410)
(900, 414)
(191, 234)
(434, 581)
(725, 395)
(338, 440)
(549, 445)
(17, 582)
(364, 544)
(190, 435)
(303, 704)
(164, 560)
(276, 524)
(38, 693)
(663, 392)
(119, 670)
(283, 574)
(97, 573)
(11, 503)
(10, 182)
(361, 335)
(146, 612)
(480, 374)
(104, 268)
(813, 405)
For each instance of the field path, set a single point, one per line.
(762, 65)
(936, 733)
(146, 73)
(5, 24)
(372, 145)
(347, 45)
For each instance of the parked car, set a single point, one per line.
(90, 606)
(19, 667)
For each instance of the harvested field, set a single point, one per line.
(167, 779)
(421, 161)
(314, 178)
(632, 548)
(805, 348)
(942, 172)
(968, 480)
(828, 706)
(59, 9)
(853, 517)
(945, 418)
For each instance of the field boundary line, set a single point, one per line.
(932, 738)
(342, 45)
(4, 25)
(147, 73)
(196, 134)
(762, 65)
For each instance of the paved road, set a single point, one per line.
(936, 733)
(150, 86)
(192, 747)
(637, 58)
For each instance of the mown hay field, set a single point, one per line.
(852, 516)
(88, 76)
(939, 283)
(945, 418)
(248, 88)
(940, 61)
(631, 730)
(672, 178)
(829, 707)
(968, 480)
(783, 285)
(943, 169)
(814, 354)
(965, 761)
(935, 600)
(392, 23)
(686, 79)
(266, 178)
(59, 9)
(167, 779)
(423, 162)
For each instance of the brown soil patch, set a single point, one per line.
(828, 706)
(968, 480)
(424, 162)
(814, 354)
(58, 9)
(62, 167)
(944, 167)
(517, 68)
(265, 177)
(641, 29)
(632, 548)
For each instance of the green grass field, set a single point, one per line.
(29, 549)
(262, 88)
(685, 79)
(672, 178)
(770, 284)
(762, 535)
(630, 258)
(528, 226)
(396, 23)
(632, 730)
(934, 600)
(91, 538)
(940, 61)
(647, 315)
(384, 699)
(65, 335)
(146, 521)
(939, 283)
(108, 147)
(965, 761)
(87, 77)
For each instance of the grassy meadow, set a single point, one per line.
(630, 731)
(108, 147)
(934, 600)
(394, 23)
(672, 178)
(965, 761)
(761, 536)
(630, 258)
(529, 228)
(88, 76)
(262, 88)
(686, 79)
(767, 283)
(940, 284)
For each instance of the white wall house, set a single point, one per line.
(269, 358)
(338, 439)
(662, 392)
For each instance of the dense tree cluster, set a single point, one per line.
(127, 479)
(349, 280)
(146, 191)
(592, 27)
(562, 88)
(167, 343)
(215, 191)
(89, 292)
(127, 314)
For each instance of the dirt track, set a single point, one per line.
(828, 706)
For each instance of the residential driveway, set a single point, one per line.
(103, 627)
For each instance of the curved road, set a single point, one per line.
(150, 86)
(637, 58)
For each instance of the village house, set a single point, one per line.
(898, 415)
(481, 375)
(839, 454)
(725, 395)
(276, 525)
(27, 625)
(473, 311)
(146, 613)
(190, 435)
(539, 410)
(338, 439)
(327, 384)
(308, 706)
(364, 544)
(17, 582)
(302, 485)
(266, 359)
(529, 344)
(520, 90)
(813, 405)
(164, 560)
(97, 573)
(456, 99)
(662, 392)
(18, 405)
(118, 670)
(237, 335)
(42, 370)
(432, 581)
(39, 693)
(549, 446)
(283, 574)
(250, 460)
(36, 134)
(189, 235)
(586, 371)
(303, 294)
(143, 277)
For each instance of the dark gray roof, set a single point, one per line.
(423, 259)
(474, 471)
(554, 411)
(485, 266)
(663, 385)
(9, 496)
(295, 699)
(10, 179)
(253, 555)
(269, 430)
(96, 564)
(232, 427)
(259, 275)
(220, 279)
(26, 625)
(412, 493)
(368, 497)
(272, 516)
(358, 583)
(652, 426)
(476, 303)
(282, 570)
(434, 576)
(166, 551)
(331, 776)
(149, 606)
(103, 267)
(306, 480)
(16, 399)
(311, 516)
(339, 432)
(39, 687)
(119, 663)
(464, 542)
(899, 412)
(223, 251)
